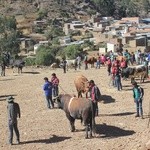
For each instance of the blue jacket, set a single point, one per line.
(47, 88)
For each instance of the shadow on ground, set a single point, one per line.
(147, 81)
(107, 99)
(6, 79)
(31, 72)
(4, 97)
(107, 131)
(119, 114)
(53, 139)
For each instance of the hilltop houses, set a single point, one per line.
(130, 33)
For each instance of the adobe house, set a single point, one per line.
(131, 19)
(25, 43)
(74, 25)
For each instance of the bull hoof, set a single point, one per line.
(90, 136)
(86, 137)
(73, 130)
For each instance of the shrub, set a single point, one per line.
(72, 51)
(44, 56)
(30, 61)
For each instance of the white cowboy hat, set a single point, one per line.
(10, 99)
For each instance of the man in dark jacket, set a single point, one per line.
(48, 92)
(13, 110)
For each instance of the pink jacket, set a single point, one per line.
(55, 81)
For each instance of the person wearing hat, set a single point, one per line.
(47, 87)
(138, 97)
(55, 82)
(13, 110)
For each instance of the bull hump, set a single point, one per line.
(70, 101)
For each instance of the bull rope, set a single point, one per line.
(62, 89)
(149, 115)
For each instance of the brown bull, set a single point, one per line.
(91, 61)
(82, 85)
(78, 108)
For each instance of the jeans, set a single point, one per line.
(49, 101)
(139, 108)
(64, 68)
(86, 66)
(118, 82)
(109, 70)
(13, 126)
(98, 64)
(55, 91)
(95, 108)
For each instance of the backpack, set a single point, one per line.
(97, 93)
(141, 90)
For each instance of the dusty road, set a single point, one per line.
(43, 129)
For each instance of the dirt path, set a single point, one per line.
(43, 129)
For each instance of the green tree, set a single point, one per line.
(146, 4)
(44, 56)
(72, 51)
(8, 35)
(105, 7)
(54, 32)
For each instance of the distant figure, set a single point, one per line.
(13, 110)
(109, 64)
(55, 83)
(64, 65)
(48, 93)
(2, 69)
(98, 62)
(85, 62)
(138, 94)
(78, 59)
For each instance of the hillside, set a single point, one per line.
(53, 8)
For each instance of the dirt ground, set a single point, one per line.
(48, 129)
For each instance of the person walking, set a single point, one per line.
(109, 64)
(64, 65)
(118, 78)
(78, 59)
(94, 95)
(13, 111)
(55, 83)
(85, 62)
(138, 94)
(48, 93)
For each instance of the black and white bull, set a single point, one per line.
(138, 71)
(78, 108)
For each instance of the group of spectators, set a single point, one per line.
(51, 90)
